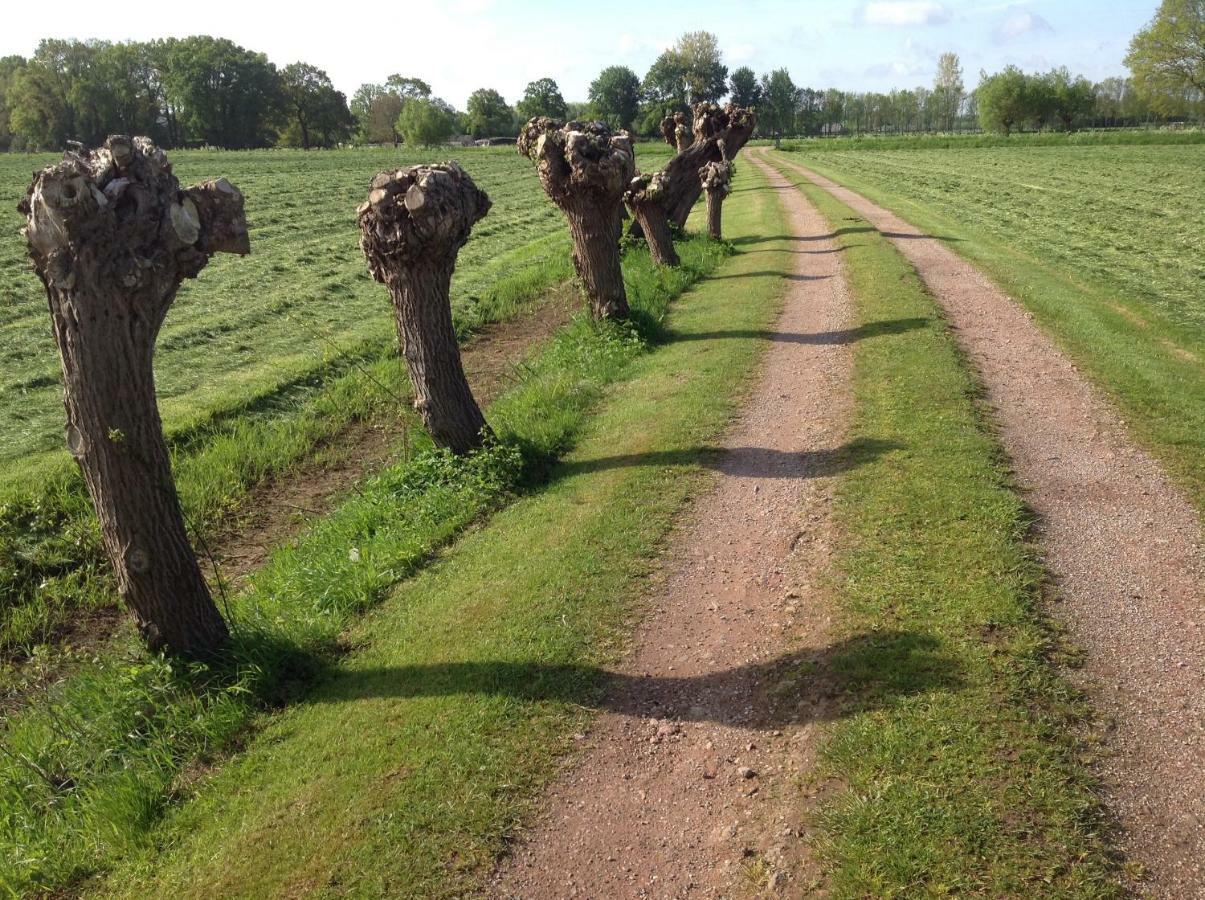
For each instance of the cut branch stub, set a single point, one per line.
(112, 236)
(716, 179)
(411, 229)
(675, 131)
(720, 133)
(584, 169)
(646, 197)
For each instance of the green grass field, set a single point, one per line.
(1104, 244)
(248, 326)
(128, 738)
(262, 360)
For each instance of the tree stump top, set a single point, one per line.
(717, 176)
(732, 124)
(646, 188)
(416, 214)
(117, 216)
(577, 157)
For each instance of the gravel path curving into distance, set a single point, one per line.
(1121, 543)
(690, 789)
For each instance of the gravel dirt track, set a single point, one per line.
(1122, 546)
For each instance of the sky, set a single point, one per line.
(458, 46)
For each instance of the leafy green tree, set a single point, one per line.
(407, 87)
(744, 88)
(426, 122)
(228, 96)
(1003, 100)
(1072, 98)
(9, 67)
(615, 96)
(703, 68)
(664, 87)
(541, 98)
(948, 90)
(779, 100)
(317, 112)
(487, 114)
(1167, 57)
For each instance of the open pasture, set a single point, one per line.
(249, 327)
(1105, 245)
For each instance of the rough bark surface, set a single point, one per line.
(411, 229)
(720, 133)
(675, 131)
(112, 235)
(645, 196)
(716, 178)
(584, 169)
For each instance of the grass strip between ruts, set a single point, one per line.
(1153, 369)
(957, 761)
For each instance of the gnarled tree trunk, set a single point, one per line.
(645, 197)
(719, 134)
(675, 132)
(584, 169)
(716, 178)
(112, 236)
(411, 229)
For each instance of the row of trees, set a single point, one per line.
(210, 90)
(93, 215)
(195, 90)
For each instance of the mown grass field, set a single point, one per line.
(1104, 244)
(534, 599)
(248, 326)
(262, 359)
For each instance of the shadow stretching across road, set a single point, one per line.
(866, 671)
(881, 328)
(743, 462)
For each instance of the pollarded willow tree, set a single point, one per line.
(719, 134)
(716, 178)
(675, 131)
(646, 198)
(112, 236)
(585, 168)
(411, 229)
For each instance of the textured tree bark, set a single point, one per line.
(112, 236)
(719, 134)
(675, 132)
(645, 196)
(584, 169)
(411, 229)
(716, 178)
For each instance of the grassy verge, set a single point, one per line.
(132, 759)
(1118, 138)
(956, 756)
(471, 678)
(1153, 368)
(51, 563)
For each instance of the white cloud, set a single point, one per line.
(1019, 22)
(905, 12)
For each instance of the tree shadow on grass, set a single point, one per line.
(847, 229)
(742, 462)
(866, 671)
(881, 328)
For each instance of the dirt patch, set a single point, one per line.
(1122, 544)
(694, 788)
(278, 509)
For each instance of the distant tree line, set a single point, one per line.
(204, 90)
(180, 92)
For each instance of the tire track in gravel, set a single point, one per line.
(1122, 545)
(689, 785)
